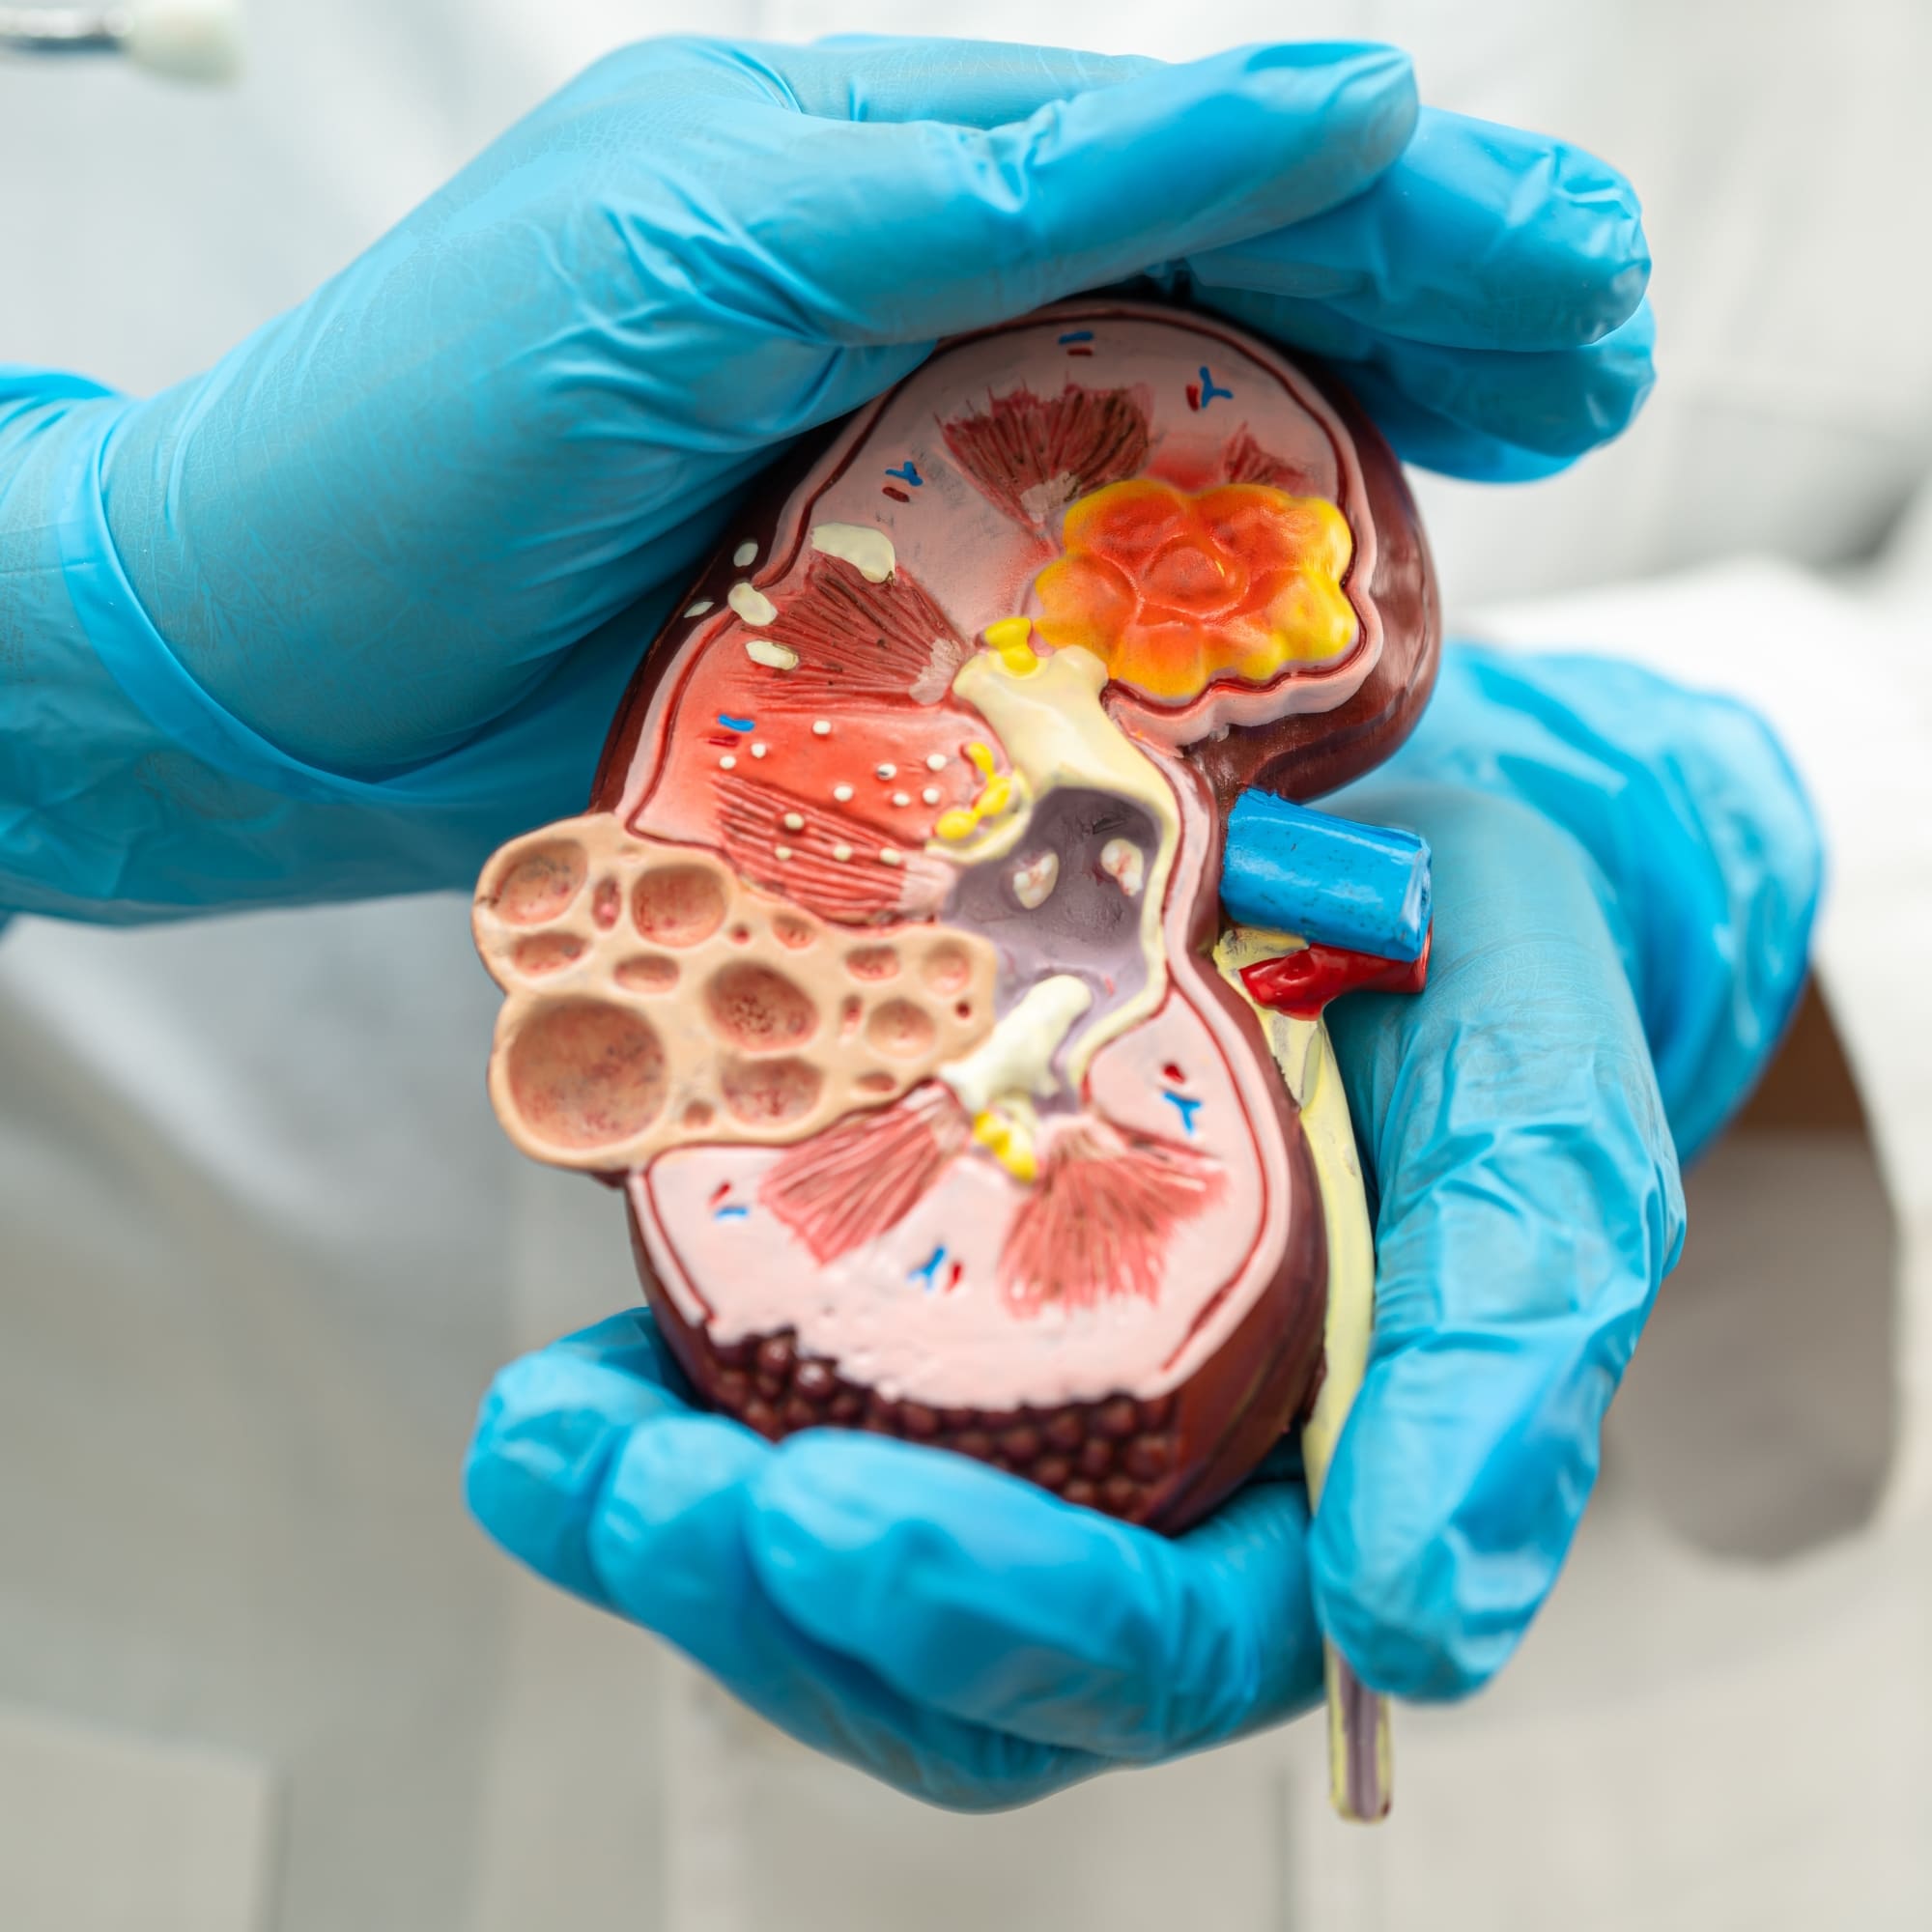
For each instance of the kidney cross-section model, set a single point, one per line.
(888, 968)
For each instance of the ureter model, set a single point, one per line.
(1360, 1772)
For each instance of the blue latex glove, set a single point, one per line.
(1625, 878)
(339, 615)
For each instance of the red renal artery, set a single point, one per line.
(1300, 985)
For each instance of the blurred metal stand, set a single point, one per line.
(178, 40)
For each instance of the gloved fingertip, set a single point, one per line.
(547, 1432)
(681, 1459)
(1508, 418)
(1374, 99)
(1402, 1630)
(1428, 441)
(1320, 121)
(604, 1377)
(1375, 66)
(1544, 247)
(811, 1557)
(815, 1486)
(841, 1527)
(629, 1330)
(1463, 1473)
(678, 1483)
(828, 1497)
(545, 1436)
(1613, 276)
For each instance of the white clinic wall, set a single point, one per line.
(1690, 1738)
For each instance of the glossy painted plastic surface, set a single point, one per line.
(1333, 881)
(877, 966)
(1301, 984)
(341, 614)
(1625, 878)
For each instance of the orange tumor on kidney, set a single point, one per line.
(1173, 592)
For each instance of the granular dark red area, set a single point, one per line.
(1113, 1455)
(1164, 1462)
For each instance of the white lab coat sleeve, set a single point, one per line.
(1843, 672)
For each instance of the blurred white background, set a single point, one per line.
(263, 1244)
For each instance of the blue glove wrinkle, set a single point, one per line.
(1480, 236)
(983, 1597)
(1427, 440)
(1545, 407)
(955, 1584)
(26, 391)
(1256, 1555)
(1707, 858)
(587, 1467)
(1516, 1268)
(669, 1540)
(549, 1432)
(986, 83)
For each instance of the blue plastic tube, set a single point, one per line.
(1328, 880)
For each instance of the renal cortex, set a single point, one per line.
(881, 970)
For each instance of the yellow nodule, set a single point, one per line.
(997, 794)
(1011, 639)
(1007, 1142)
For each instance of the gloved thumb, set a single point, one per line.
(962, 225)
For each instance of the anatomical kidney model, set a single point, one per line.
(888, 969)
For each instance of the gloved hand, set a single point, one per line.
(1625, 875)
(341, 614)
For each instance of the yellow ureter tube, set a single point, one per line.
(1359, 1763)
